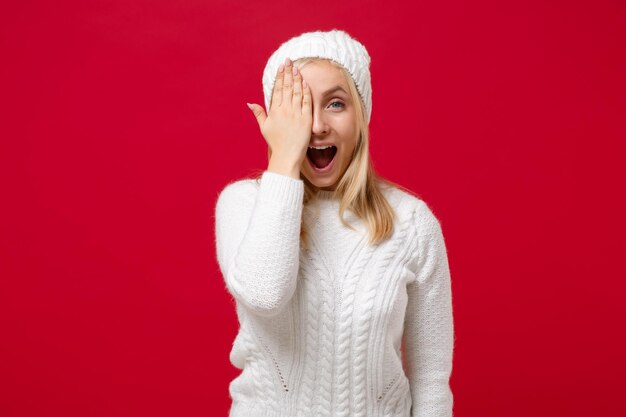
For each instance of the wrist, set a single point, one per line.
(284, 168)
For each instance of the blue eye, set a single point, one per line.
(337, 102)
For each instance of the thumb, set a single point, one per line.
(259, 113)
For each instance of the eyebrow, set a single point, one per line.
(332, 90)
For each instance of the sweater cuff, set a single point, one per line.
(281, 188)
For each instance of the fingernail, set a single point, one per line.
(281, 68)
(287, 61)
(249, 106)
(303, 83)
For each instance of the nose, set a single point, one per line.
(319, 126)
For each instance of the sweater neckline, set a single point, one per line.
(326, 195)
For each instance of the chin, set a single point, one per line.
(328, 183)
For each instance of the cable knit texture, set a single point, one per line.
(344, 328)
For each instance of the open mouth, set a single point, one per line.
(321, 158)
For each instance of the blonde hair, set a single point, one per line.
(360, 188)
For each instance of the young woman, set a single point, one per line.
(340, 278)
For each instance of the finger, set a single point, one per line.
(258, 112)
(297, 89)
(306, 98)
(287, 82)
(277, 94)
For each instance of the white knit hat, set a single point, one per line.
(336, 45)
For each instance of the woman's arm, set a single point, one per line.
(257, 235)
(428, 326)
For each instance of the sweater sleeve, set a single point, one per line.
(257, 239)
(428, 326)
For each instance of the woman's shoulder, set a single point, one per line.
(241, 185)
(237, 191)
(410, 206)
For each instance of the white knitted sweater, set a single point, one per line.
(343, 328)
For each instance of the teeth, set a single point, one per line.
(320, 147)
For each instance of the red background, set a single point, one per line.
(120, 122)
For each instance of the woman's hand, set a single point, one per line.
(287, 128)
